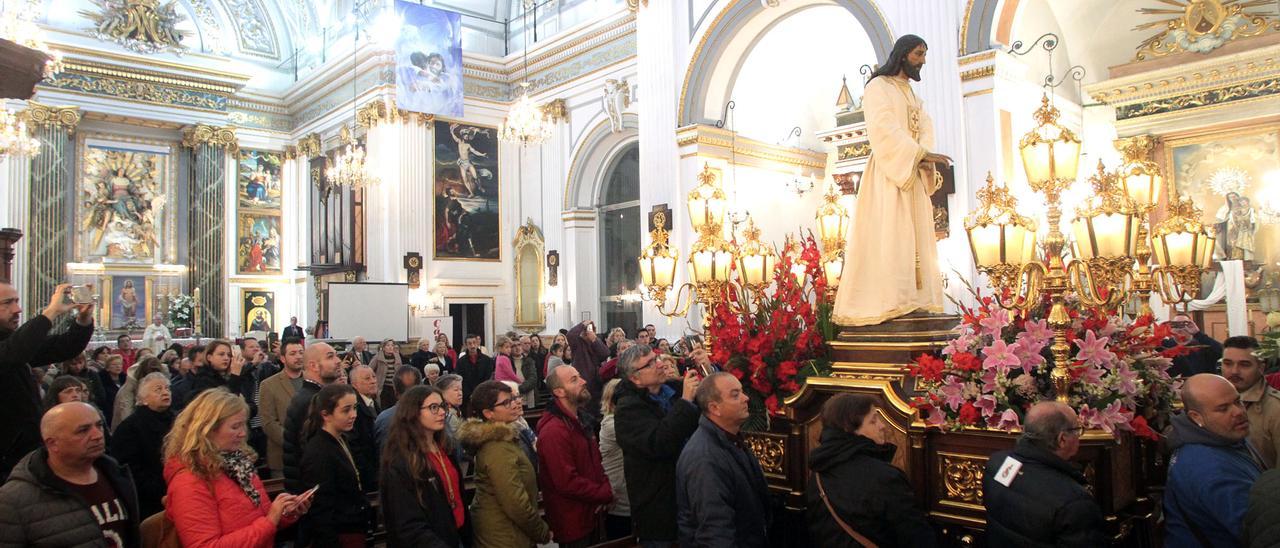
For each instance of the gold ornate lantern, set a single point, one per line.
(1183, 250)
(833, 221)
(756, 261)
(707, 202)
(1000, 239)
(658, 260)
(1106, 236)
(1050, 151)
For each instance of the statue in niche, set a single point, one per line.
(1235, 226)
(891, 264)
(122, 197)
(616, 99)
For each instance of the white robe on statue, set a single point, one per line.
(891, 255)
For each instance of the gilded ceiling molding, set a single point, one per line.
(131, 120)
(709, 141)
(144, 26)
(978, 73)
(1201, 26)
(201, 134)
(38, 114)
(310, 146)
(101, 69)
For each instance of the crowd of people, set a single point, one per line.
(635, 438)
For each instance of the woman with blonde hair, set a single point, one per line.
(617, 522)
(214, 496)
(385, 363)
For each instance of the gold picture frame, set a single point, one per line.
(114, 306)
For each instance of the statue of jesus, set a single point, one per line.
(891, 256)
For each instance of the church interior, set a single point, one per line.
(403, 169)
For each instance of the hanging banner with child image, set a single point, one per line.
(429, 60)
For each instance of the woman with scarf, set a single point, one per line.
(215, 497)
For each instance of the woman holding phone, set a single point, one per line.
(421, 481)
(340, 511)
(215, 497)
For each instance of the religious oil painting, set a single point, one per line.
(466, 192)
(128, 301)
(1235, 178)
(428, 56)
(258, 179)
(259, 310)
(121, 202)
(258, 243)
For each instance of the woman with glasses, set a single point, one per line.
(421, 488)
(139, 440)
(450, 387)
(505, 507)
(852, 481)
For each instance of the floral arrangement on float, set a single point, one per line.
(181, 310)
(773, 341)
(996, 368)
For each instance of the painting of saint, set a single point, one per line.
(428, 55)
(121, 203)
(258, 179)
(130, 302)
(1231, 175)
(259, 310)
(258, 244)
(466, 192)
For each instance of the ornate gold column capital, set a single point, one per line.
(309, 147)
(376, 112)
(555, 111)
(635, 5)
(201, 134)
(37, 114)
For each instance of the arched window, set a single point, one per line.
(620, 240)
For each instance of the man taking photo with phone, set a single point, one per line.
(26, 345)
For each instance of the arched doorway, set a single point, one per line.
(620, 241)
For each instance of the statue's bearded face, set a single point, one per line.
(915, 61)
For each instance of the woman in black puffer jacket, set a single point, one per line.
(870, 495)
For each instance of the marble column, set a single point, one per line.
(659, 74)
(15, 180)
(400, 155)
(49, 198)
(206, 150)
(582, 284)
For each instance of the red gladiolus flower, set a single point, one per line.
(1142, 429)
(966, 361)
(969, 414)
(927, 367)
(771, 403)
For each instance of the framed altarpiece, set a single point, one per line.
(124, 226)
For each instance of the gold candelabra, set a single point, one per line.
(1108, 232)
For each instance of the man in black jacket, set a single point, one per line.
(589, 353)
(23, 347)
(721, 493)
(320, 368)
(363, 438)
(1033, 494)
(69, 493)
(474, 367)
(653, 419)
(293, 330)
(1205, 353)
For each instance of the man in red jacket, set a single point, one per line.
(574, 485)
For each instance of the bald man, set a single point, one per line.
(1034, 494)
(1212, 468)
(69, 493)
(25, 346)
(320, 364)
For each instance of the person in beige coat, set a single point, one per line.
(274, 395)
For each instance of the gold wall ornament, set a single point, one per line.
(961, 479)
(769, 450)
(1201, 26)
(529, 246)
(555, 111)
(37, 114)
(144, 26)
(201, 134)
(635, 5)
(310, 146)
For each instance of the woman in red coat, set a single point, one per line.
(214, 496)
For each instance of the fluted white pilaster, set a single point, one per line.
(15, 179)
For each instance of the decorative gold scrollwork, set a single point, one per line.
(309, 146)
(37, 114)
(771, 452)
(962, 478)
(202, 134)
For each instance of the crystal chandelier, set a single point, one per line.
(348, 167)
(526, 123)
(15, 140)
(18, 25)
